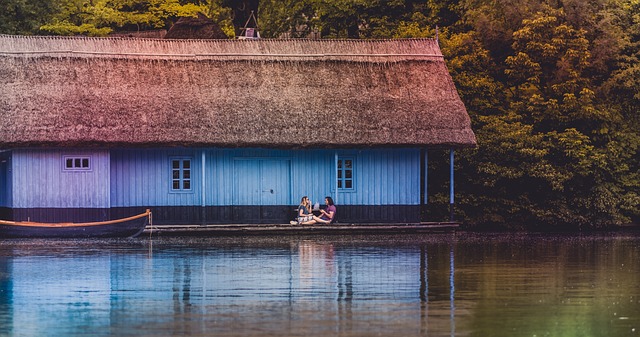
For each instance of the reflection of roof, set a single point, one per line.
(61, 91)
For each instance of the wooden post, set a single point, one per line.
(336, 173)
(423, 183)
(451, 184)
(204, 186)
(426, 176)
(204, 190)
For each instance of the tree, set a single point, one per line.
(542, 159)
(292, 18)
(621, 93)
(101, 17)
(24, 17)
(354, 19)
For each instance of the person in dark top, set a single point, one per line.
(326, 215)
(304, 216)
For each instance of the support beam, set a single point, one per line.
(203, 179)
(422, 183)
(426, 177)
(335, 197)
(203, 191)
(451, 185)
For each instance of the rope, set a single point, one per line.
(73, 224)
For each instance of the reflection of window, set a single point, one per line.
(180, 174)
(73, 163)
(345, 173)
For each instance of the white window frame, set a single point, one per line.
(78, 163)
(341, 171)
(181, 179)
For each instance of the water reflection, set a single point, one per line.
(317, 265)
(443, 285)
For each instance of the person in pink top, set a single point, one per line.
(326, 215)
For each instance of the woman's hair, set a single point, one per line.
(306, 204)
(329, 201)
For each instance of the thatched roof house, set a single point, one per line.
(84, 92)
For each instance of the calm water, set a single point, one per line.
(405, 285)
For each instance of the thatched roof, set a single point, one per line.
(61, 91)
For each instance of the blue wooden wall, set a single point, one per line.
(5, 180)
(142, 177)
(238, 185)
(39, 181)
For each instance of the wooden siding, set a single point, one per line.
(39, 181)
(5, 180)
(381, 176)
(384, 177)
(261, 181)
(143, 178)
(311, 172)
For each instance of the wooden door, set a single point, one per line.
(261, 189)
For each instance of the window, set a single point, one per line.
(76, 163)
(345, 173)
(180, 174)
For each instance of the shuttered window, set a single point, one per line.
(180, 174)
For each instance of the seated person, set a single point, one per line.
(326, 215)
(304, 216)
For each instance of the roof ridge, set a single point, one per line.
(275, 48)
(82, 37)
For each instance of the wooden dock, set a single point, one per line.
(288, 229)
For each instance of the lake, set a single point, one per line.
(453, 284)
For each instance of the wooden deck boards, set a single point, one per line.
(288, 229)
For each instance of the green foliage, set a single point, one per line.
(548, 158)
(101, 17)
(222, 15)
(291, 17)
(416, 27)
(346, 18)
(24, 17)
(67, 28)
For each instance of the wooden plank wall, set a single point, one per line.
(381, 176)
(39, 181)
(5, 180)
(143, 178)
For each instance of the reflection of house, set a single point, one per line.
(221, 131)
(316, 262)
(231, 288)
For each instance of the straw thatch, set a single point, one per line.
(266, 93)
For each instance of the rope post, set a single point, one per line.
(150, 222)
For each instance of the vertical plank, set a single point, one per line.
(41, 182)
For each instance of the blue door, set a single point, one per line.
(261, 190)
(275, 182)
(246, 175)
